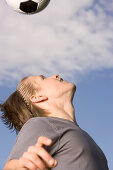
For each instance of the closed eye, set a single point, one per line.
(43, 77)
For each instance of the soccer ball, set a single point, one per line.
(28, 6)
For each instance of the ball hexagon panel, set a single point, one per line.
(43, 4)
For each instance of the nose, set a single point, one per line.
(55, 76)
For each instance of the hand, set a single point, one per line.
(36, 157)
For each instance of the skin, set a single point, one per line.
(35, 158)
(54, 95)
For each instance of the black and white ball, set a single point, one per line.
(28, 6)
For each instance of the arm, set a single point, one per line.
(11, 165)
(35, 157)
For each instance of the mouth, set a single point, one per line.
(61, 80)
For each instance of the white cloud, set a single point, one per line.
(67, 37)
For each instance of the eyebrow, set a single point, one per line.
(42, 76)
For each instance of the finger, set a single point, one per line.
(42, 140)
(43, 154)
(35, 159)
(24, 163)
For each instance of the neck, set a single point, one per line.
(61, 109)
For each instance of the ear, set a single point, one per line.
(38, 99)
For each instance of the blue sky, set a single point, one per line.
(77, 44)
(93, 110)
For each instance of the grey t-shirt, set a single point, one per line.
(72, 147)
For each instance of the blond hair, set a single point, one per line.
(16, 110)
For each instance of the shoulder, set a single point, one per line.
(37, 126)
(36, 121)
(29, 134)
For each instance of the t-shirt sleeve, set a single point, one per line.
(29, 135)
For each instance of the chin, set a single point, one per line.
(72, 89)
(73, 86)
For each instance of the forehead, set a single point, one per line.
(36, 80)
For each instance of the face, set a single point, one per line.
(53, 86)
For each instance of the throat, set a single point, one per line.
(63, 112)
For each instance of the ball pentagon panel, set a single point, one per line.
(28, 6)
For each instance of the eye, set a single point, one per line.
(43, 77)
